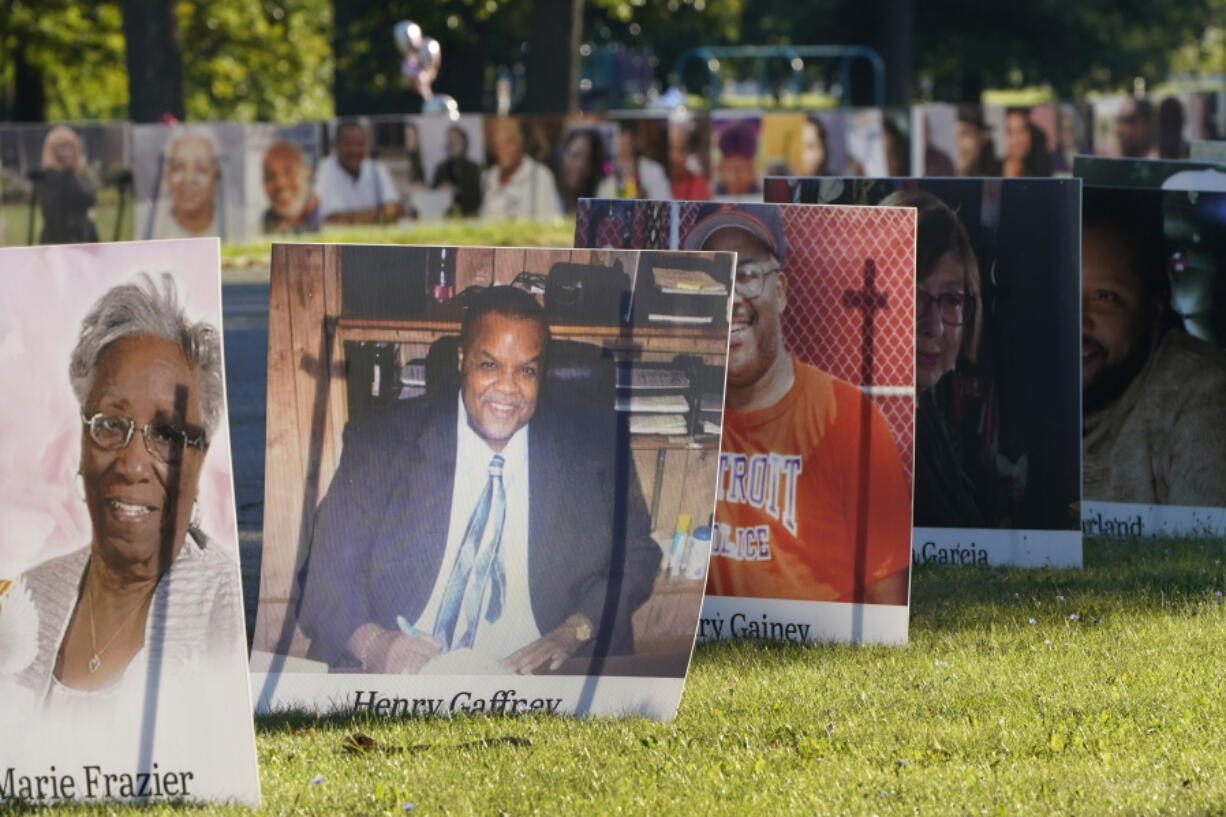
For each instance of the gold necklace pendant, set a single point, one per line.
(95, 662)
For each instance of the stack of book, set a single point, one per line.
(413, 379)
(711, 412)
(655, 398)
(678, 289)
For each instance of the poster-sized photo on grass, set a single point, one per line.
(191, 181)
(1154, 273)
(997, 357)
(123, 660)
(490, 479)
(65, 184)
(812, 532)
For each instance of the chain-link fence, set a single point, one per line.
(850, 288)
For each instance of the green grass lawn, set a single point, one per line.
(452, 233)
(250, 259)
(1063, 692)
(15, 220)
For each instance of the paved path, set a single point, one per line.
(245, 317)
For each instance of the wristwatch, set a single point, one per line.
(583, 630)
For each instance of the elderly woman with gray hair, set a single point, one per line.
(149, 595)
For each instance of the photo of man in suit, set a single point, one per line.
(491, 519)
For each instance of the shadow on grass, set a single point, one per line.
(1156, 575)
(1121, 578)
(107, 807)
(300, 721)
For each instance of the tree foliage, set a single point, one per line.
(74, 49)
(275, 59)
(476, 36)
(246, 60)
(965, 45)
(242, 59)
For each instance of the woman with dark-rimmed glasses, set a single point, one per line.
(947, 327)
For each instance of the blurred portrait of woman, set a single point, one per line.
(1025, 146)
(516, 185)
(583, 170)
(65, 194)
(636, 176)
(948, 307)
(976, 150)
(685, 170)
(292, 205)
(149, 595)
(412, 153)
(814, 153)
(192, 179)
(460, 173)
(738, 147)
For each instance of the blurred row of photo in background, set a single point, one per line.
(86, 182)
(1041, 140)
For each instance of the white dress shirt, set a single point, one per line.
(516, 627)
(530, 193)
(341, 193)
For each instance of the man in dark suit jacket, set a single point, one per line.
(381, 534)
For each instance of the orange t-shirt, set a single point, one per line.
(789, 513)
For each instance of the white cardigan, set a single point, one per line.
(195, 617)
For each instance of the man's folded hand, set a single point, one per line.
(552, 648)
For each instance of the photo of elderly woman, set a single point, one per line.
(124, 617)
(998, 357)
(139, 370)
(189, 180)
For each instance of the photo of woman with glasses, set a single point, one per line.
(149, 384)
(998, 337)
(121, 614)
(947, 326)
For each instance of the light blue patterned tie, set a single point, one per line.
(478, 567)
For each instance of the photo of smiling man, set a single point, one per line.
(499, 442)
(812, 528)
(1153, 347)
(795, 430)
(506, 492)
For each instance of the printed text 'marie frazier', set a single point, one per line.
(94, 783)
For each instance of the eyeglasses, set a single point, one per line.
(750, 278)
(956, 308)
(162, 440)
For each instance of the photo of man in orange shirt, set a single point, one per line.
(813, 503)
